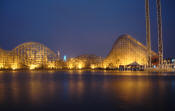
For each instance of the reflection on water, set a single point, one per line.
(79, 89)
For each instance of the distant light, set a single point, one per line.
(70, 66)
(92, 66)
(173, 60)
(32, 66)
(14, 66)
(58, 54)
(65, 58)
(104, 66)
(51, 65)
(79, 66)
(1, 66)
(154, 66)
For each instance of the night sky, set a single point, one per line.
(78, 27)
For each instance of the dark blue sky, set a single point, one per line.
(78, 27)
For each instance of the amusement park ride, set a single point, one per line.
(160, 40)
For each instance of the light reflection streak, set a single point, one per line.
(76, 88)
(130, 90)
(2, 93)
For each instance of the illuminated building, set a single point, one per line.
(2, 55)
(84, 61)
(127, 50)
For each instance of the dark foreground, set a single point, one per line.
(87, 91)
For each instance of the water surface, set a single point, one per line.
(86, 91)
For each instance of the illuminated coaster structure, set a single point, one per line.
(127, 50)
(29, 55)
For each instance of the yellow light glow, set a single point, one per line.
(1, 66)
(70, 66)
(79, 66)
(104, 66)
(92, 66)
(51, 66)
(14, 66)
(33, 66)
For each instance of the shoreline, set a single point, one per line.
(91, 70)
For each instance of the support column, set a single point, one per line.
(160, 41)
(148, 33)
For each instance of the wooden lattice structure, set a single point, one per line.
(28, 55)
(127, 50)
